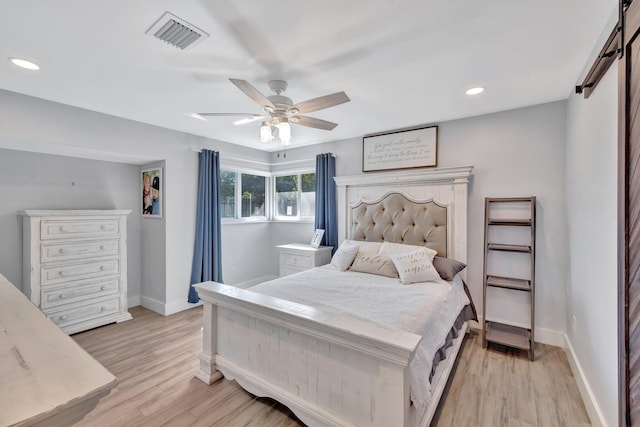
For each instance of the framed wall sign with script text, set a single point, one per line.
(415, 148)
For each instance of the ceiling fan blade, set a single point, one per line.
(322, 102)
(234, 114)
(245, 117)
(312, 122)
(253, 93)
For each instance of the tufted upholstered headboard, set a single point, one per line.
(398, 218)
(442, 191)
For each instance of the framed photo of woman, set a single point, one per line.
(152, 193)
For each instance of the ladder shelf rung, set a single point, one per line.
(512, 336)
(510, 222)
(509, 248)
(509, 283)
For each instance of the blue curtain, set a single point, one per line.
(207, 254)
(326, 211)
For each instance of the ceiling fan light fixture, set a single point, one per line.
(284, 131)
(265, 132)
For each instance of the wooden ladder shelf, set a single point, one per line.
(501, 331)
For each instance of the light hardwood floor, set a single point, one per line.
(154, 358)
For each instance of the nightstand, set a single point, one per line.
(299, 257)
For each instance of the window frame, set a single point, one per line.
(270, 194)
(238, 218)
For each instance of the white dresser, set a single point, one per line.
(298, 257)
(75, 266)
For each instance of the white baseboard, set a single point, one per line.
(590, 402)
(253, 282)
(166, 309)
(177, 306)
(152, 304)
(542, 335)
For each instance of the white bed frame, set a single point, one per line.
(332, 370)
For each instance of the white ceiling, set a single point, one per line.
(403, 63)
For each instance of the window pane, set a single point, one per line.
(253, 193)
(308, 182)
(308, 195)
(287, 196)
(228, 193)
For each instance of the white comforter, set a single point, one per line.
(428, 309)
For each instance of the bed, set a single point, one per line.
(329, 366)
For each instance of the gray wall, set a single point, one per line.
(592, 213)
(514, 153)
(154, 248)
(43, 181)
(70, 131)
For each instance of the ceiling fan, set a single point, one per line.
(279, 110)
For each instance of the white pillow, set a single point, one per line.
(389, 248)
(414, 267)
(344, 256)
(367, 248)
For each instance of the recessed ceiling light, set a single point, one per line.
(474, 90)
(23, 63)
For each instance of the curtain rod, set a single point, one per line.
(256, 162)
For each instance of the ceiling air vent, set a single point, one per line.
(176, 32)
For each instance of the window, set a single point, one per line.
(295, 196)
(246, 196)
(228, 193)
(242, 191)
(253, 195)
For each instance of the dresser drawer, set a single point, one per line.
(61, 295)
(296, 260)
(83, 312)
(58, 229)
(67, 272)
(61, 251)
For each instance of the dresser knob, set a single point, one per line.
(103, 227)
(61, 273)
(63, 317)
(102, 247)
(102, 308)
(62, 296)
(63, 251)
(102, 288)
(102, 268)
(61, 229)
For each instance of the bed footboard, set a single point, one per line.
(328, 369)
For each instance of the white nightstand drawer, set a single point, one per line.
(73, 250)
(54, 297)
(84, 312)
(295, 260)
(85, 270)
(52, 229)
(297, 257)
